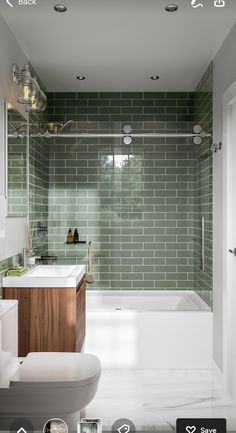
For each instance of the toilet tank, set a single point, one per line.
(8, 339)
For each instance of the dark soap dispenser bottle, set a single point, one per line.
(76, 236)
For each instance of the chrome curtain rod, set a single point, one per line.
(126, 138)
(104, 135)
(132, 135)
(198, 134)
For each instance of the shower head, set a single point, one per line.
(66, 126)
(17, 127)
(56, 127)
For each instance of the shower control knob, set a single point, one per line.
(197, 129)
(233, 251)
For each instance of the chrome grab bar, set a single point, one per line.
(203, 244)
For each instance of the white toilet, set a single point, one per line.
(45, 385)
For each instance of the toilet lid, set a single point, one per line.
(52, 369)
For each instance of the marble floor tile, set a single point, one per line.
(154, 399)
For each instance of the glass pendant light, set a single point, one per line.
(30, 88)
(31, 93)
(38, 104)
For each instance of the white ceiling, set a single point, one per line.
(119, 44)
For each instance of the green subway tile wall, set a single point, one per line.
(140, 205)
(38, 182)
(5, 265)
(17, 181)
(203, 200)
(135, 203)
(17, 165)
(38, 176)
(38, 189)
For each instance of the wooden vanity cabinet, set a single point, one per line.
(50, 319)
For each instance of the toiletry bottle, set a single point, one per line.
(69, 237)
(76, 236)
(31, 261)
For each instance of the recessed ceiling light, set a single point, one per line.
(80, 77)
(154, 77)
(60, 8)
(171, 8)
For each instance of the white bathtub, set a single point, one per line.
(149, 330)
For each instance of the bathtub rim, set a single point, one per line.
(203, 306)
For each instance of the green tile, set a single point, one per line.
(131, 95)
(65, 95)
(176, 95)
(141, 217)
(143, 102)
(154, 95)
(110, 95)
(76, 103)
(165, 102)
(87, 95)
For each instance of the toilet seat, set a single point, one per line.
(52, 369)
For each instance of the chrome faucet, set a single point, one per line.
(24, 253)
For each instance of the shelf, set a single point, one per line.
(77, 242)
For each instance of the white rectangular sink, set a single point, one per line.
(51, 271)
(48, 276)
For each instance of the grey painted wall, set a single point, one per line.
(224, 75)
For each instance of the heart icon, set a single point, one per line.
(191, 429)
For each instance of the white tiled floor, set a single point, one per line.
(154, 399)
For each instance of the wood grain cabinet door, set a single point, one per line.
(53, 320)
(50, 319)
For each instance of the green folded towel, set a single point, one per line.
(17, 272)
